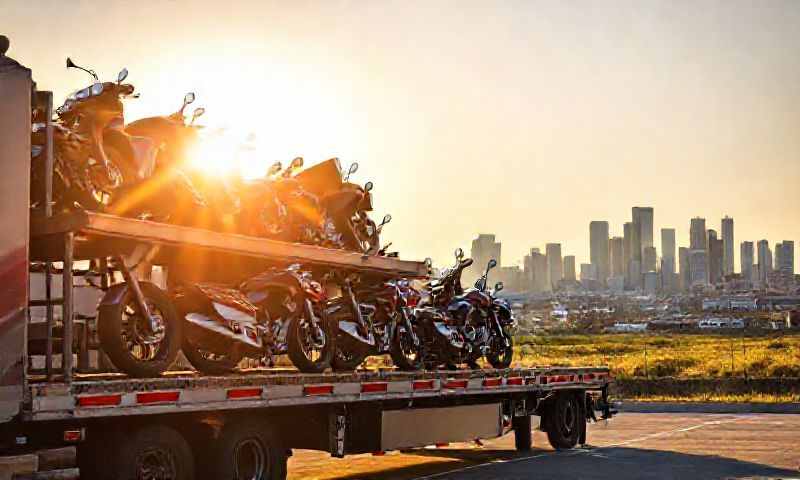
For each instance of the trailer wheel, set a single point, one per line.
(246, 450)
(154, 451)
(523, 438)
(126, 337)
(563, 421)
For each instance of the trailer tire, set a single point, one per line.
(110, 330)
(247, 450)
(563, 421)
(523, 437)
(153, 447)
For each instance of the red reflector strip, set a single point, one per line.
(422, 385)
(73, 435)
(514, 381)
(492, 382)
(589, 376)
(99, 401)
(240, 393)
(378, 454)
(456, 384)
(157, 397)
(312, 390)
(375, 387)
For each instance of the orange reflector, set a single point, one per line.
(157, 397)
(456, 384)
(311, 390)
(514, 381)
(99, 401)
(422, 385)
(492, 382)
(239, 393)
(73, 435)
(378, 454)
(374, 387)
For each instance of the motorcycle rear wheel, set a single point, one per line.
(405, 355)
(207, 362)
(344, 361)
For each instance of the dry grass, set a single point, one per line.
(668, 355)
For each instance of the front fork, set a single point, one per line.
(141, 302)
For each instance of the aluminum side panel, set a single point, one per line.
(428, 426)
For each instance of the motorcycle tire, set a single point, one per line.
(221, 365)
(116, 321)
(297, 343)
(500, 355)
(344, 361)
(402, 355)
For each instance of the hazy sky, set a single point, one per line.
(523, 118)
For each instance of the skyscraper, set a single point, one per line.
(764, 261)
(714, 257)
(616, 247)
(627, 251)
(727, 245)
(643, 216)
(598, 248)
(540, 278)
(697, 234)
(685, 274)
(649, 259)
(569, 268)
(784, 257)
(746, 259)
(668, 247)
(484, 248)
(555, 264)
(698, 264)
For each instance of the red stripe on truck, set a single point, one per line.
(157, 397)
(314, 390)
(374, 387)
(99, 401)
(243, 393)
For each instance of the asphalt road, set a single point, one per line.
(631, 446)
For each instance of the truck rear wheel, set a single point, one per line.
(563, 421)
(523, 438)
(153, 451)
(245, 450)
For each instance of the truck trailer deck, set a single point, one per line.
(183, 425)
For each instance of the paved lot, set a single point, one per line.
(632, 446)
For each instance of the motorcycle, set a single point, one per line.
(381, 324)
(274, 313)
(94, 156)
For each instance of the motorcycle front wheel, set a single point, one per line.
(345, 361)
(501, 351)
(406, 349)
(311, 346)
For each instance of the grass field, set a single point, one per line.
(668, 355)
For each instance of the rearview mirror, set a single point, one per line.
(428, 262)
(297, 162)
(122, 75)
(198, 112)
(492, 263)
(188, 98)
(368, 187)
(274, 168)
(459, 253)
(498, 286)
(386, 219)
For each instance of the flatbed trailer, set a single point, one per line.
(97, 423)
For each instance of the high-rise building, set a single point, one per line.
(784, 257)
(627, 251)
(598, 248)
(697, 234)
(569, 268)
(685, 273)
(764, 261)
(616, 247)
(555, 264)
(698, 264)
(484, 248)
(668, 248)
(714, 257)
(539, 277)
(746, 259)
(588, 272)
(643, 216)
(727, 245)
(649, 259)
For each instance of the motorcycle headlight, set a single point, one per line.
(97, 89)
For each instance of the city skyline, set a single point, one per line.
(561, 114)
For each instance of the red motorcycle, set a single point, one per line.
(274, 313)
(375, 319)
